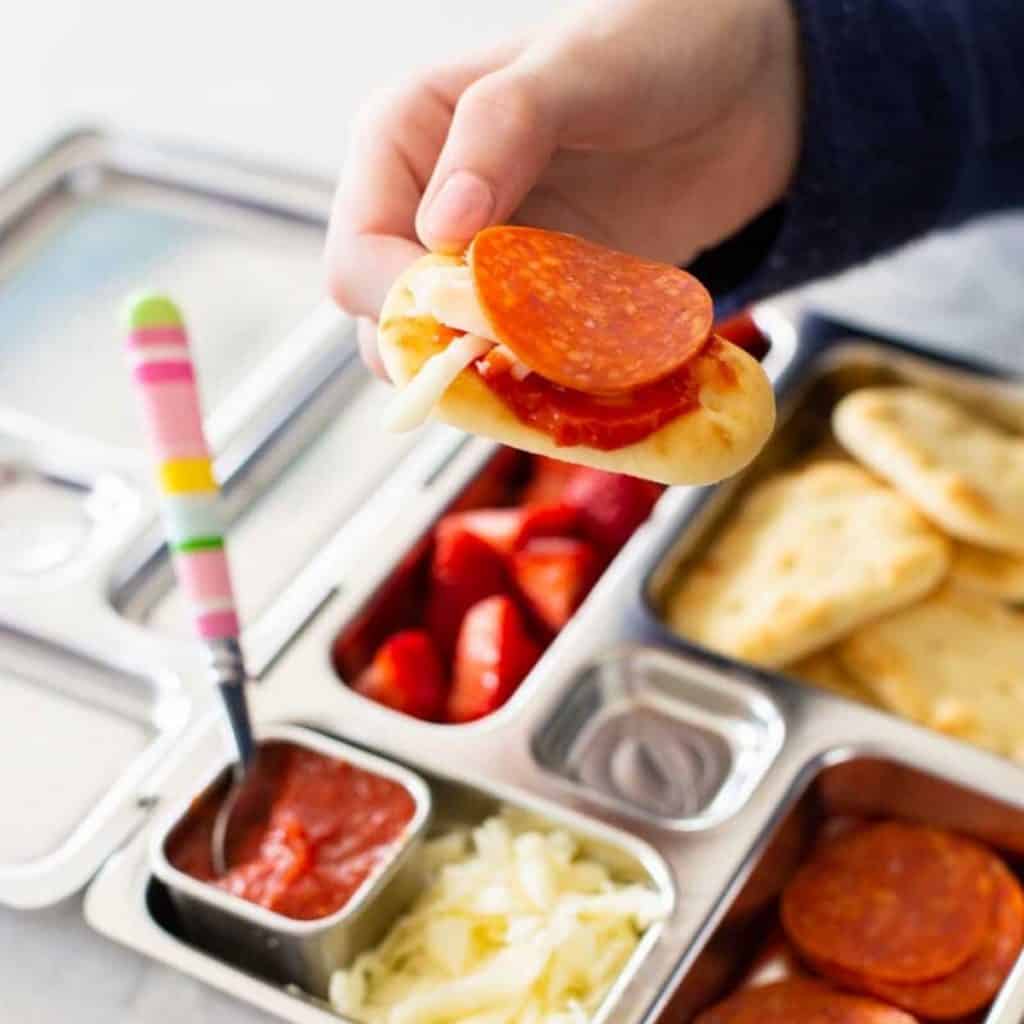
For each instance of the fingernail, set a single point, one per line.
(463, 205)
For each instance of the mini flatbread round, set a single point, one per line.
(733, 417)
(808, 557)
(997, 574)
(899, 902)
(953, 662)
(962, 472)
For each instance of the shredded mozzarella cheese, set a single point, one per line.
(516, 930)
(447, 294)
(413, 404)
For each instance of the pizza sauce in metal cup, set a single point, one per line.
(331, 825)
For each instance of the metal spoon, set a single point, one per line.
(190, 505)
(246, 800)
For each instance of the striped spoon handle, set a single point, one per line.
(165, 381)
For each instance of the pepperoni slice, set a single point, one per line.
(975, 984)
(587, 317)
(899, 902)
(800, 1002)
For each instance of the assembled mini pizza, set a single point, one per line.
(558, 346)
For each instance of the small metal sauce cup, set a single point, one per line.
(279, 948)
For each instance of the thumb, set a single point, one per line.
(503, 134)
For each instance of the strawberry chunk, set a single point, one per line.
(555, 574)
(508, 529)
(494, 654)
(406, 674)
(397, 605)
(465, 570)
(611, 506)
(548, 481)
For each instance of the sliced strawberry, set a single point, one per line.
(494, 654)
(548, 481)
(406, 674)
(465, 570)
(508, 529)
(611, 506)
(555, 574)
(397, 605)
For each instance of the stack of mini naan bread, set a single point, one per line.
(892, 577)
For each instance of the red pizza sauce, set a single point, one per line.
(330, 825)
(605, 422)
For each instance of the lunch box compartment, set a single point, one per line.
(281, 949)
(804, 434)
(400, 600)
(861, 787)
(300, 955)
(655, 736)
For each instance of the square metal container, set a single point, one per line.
(648, 735)
(285, 950)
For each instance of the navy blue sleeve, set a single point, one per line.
(914, 121)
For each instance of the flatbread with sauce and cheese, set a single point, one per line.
(557, 346)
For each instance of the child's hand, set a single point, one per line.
(656, 126)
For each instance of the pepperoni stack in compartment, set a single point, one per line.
(915, 922)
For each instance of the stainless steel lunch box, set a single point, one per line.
(701, 776)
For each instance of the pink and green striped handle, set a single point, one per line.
(165, 380)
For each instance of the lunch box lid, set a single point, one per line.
(93, 705)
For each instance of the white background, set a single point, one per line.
(268, 78)
(279, 80)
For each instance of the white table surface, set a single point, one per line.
(280, 82)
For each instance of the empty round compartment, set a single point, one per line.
(643, 756)
(661, 738)
(294, 949)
